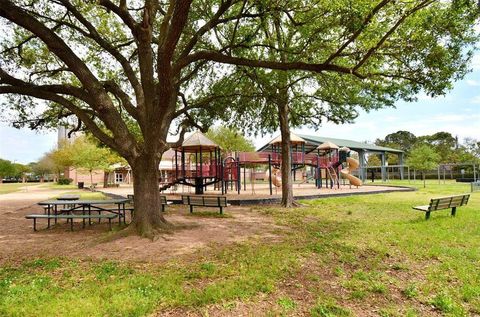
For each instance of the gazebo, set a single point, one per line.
(198, 162)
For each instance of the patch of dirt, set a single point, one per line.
(18, 241)
(313, 279)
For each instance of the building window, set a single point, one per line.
(118, 178)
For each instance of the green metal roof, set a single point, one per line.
(353, 145)
(314, 141)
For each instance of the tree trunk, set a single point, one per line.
(105, 179)
(91, 180)
(286, 168)
(147, 217)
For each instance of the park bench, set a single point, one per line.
(205, 201)
(444, 203)
(163, 201)
(71, 217)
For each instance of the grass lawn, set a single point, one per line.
(54, 185)
(334, 257)
(6, 188)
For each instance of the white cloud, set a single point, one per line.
(475, 100)
(472, 82)
(476, 62)
(454, 117)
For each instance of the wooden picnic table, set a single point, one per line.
(86, 206)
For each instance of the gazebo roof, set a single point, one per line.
(294, 139)
(198, 141)
(327, 146)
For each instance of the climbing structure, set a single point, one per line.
(197, 163)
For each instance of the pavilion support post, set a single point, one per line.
(270, 173)
(383, 168)
(362, 171)
(239, 176)
(401, 161)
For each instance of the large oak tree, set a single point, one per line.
(132, 72)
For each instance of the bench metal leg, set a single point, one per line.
(71, 224)
(89, 215)
(83, 213)
(56, 213)
(48, 220)
(221, 210)
(191, 209)
(34, 224)
(99, 212)
(110, 223)
(454, 211)
(163, 208)
(427, 215)
(119, 214)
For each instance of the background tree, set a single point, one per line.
(230, 140)
(472, 147)
(62, 158)
(423, 158)
(87, 156)
(444, 144)
(373, 160)
(6, 169)
(44, 167)
(402, 140)
(121, 68)
(22, 171)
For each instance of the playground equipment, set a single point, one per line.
(352, 165)
(198, 163)
(276, 177)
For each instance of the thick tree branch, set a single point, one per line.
(400, 21)
(355, 35)
(80, 113)
(122, 12)
(73, 91)
(205, 28)
(239, 61)
(94, 35)
(177, 24)
(115, 89)
(102, 103)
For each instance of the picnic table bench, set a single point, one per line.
(444, 203)
(85, 206)
(163, 201)
(205, 201)
(71, 217)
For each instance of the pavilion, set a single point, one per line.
(363, 150)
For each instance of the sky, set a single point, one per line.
(458, 112)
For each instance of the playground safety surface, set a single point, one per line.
(260, 193)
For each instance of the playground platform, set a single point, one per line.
(260, 194)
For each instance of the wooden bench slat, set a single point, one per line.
(71, 216)
(441, 203)
(205, 201)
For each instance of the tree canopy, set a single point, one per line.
(6, 169)
(230, 140)
(131, 72)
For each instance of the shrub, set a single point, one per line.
(64, 181)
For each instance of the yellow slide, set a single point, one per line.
(352, 165)
(276, 177)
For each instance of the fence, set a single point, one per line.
(475, 186)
